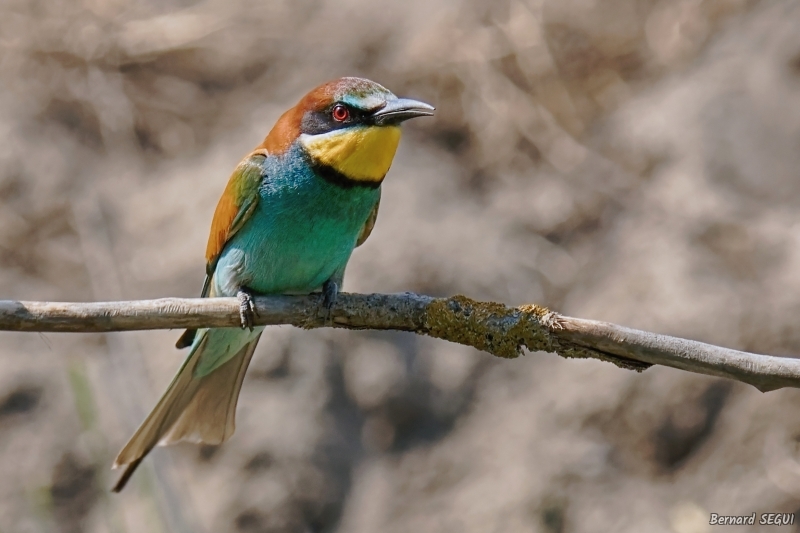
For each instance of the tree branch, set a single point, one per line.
(488, 326)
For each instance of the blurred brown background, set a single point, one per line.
(627, 160)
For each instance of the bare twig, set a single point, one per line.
(488, 326)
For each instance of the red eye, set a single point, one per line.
(340, 113)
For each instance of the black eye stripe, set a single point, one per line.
(322, 121)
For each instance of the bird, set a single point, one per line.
(293, 211)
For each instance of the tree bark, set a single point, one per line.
(492, 327)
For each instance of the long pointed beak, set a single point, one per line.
(396, 111)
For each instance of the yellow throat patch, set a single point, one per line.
(361, 154)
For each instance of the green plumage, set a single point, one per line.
(286, 223)
(300, 233)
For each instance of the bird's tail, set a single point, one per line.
(194, 408)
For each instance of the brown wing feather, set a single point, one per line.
(236, 204)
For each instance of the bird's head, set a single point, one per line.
(349, 128)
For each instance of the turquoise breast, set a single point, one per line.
(301, 234)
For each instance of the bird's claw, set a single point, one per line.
(247, 309)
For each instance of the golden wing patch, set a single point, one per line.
(236, 205)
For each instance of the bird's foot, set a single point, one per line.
(330, 293)
(247, 309)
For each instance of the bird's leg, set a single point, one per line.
(247, 309)
(330, 292)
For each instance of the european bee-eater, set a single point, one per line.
(292, 213)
